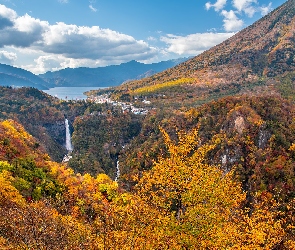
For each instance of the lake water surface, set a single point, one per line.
(70, 93)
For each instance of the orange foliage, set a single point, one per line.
(181, 203)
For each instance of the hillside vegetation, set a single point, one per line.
(182, 202)
(210, 164)
(254, 60)
(42, 115)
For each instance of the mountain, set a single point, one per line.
(182, 202)
(113, 75)
(215, 176)
(12, 76)
(90, 77)
(255, 59)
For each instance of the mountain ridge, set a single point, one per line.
(13, 76)
(112, 75)
(187, 176)
(264, 49)
(107, 76)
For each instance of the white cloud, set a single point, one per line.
(240, 5)
(231, 21)
(219, 5)
(151, 38)
(92, 8)
(63, 1)
(47, 63)
(193, 44)
(62, 45)
(7, 13)
(245, 6)
(92, 43)
(19, 31)
(250, 7)
(6, 17)
(250, 11)
(266, 9)
(7, 57)
(53, 62)
(30, 25)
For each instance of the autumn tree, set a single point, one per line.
(202, 205)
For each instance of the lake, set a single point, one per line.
(70, 93)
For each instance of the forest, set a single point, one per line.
(209, 165)
(182, 202)
(215, 176)
(212, 174)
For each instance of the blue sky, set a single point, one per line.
(48, 35)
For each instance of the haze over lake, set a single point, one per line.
(70, 93)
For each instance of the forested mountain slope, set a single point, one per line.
(45, 205)
(254, 60)
(253, 135)
(209, 165)
(41, 114)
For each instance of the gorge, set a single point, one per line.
(209, 163)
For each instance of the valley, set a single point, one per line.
(195, 155)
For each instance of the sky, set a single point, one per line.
(49, 35)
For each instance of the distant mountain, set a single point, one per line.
(12, 76)
(106, 76)
(258, 55)
(82, 77)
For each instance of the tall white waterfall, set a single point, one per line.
(69, 146)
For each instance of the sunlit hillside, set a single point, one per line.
(254, 60)
(200, 156)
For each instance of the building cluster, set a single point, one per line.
(126, 107)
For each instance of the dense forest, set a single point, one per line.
(182, 202)
(219, 175)
(209, 164)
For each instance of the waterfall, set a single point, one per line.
(118, 171)
(69, 146)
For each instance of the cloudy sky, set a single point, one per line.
(48, 35)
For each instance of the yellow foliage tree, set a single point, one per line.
(8, 193)
(201, 204)
(181, 203)
(161, 86)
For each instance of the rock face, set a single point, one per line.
(262, 50)
(57, 131)
(240, 124)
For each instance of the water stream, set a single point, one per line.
(69, 145)
(118, 171)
